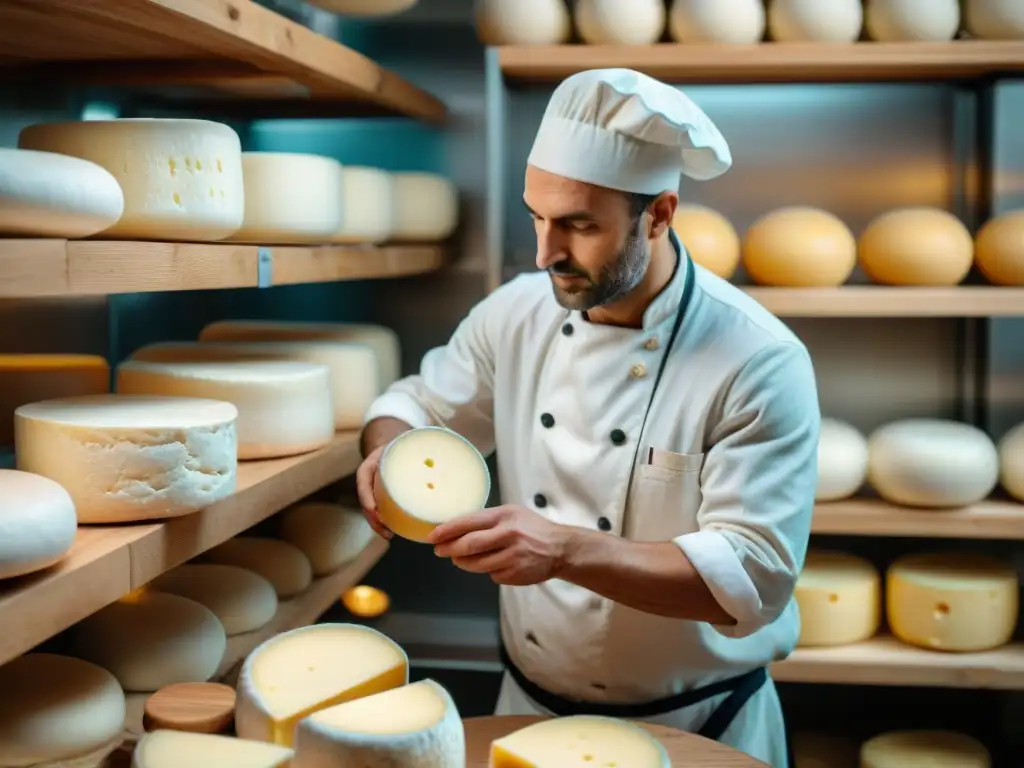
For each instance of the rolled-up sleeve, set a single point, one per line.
(758, 484)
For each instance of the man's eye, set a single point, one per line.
(584, 226)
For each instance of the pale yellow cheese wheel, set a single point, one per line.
(916, 246)
(839, 597)
(999, 249)
(924, 749)
(799, 247)
(709, 237)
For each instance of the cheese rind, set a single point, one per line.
(916, 246)
(619, 22)
(177, 749)
(1011, 462)
(839, 597)
(367, 206)
(285, 566)
(37, 523)
(799, 247)
(799, 21)
(994, 19)
(579, 742)
(924, 749)
(524, 22)
(426, 208)
(999, 247)
(896, 21)
(734, 22)
(709, 237)
(842, 460)
(242, 600)
(329, 534)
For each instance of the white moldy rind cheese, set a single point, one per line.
(367, 206)
(924, 749)
(952, 601)
(242, 600)
(895, 21)
(329, 534)
(839, 597)
(178, 749)
(284, 407)
(126, 458)
(416, 725)
(297, 673)
(426, 208)
(282, 564)
(429, 476)
(37, 523)
(619, 22)
(1011, 462)
(734, 22)
(821, 21)
(581, 740)
(522, 22)
(56, 707)
(842, 460)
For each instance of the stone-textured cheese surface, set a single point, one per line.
(842, 460)
(282, 564)
(125, 458)
(619, 22)
(924, 749)
(815, 21)
(522, 22)
(367, 206)
(839, 597)
(916, 246)
(242, 600)
(709, 237)
(426, 207)
(999, 249)
(177, 749)
(329, 534)
(799, 247)
(37, 523)
(717, 21)
(1011, 462)
(579, 742)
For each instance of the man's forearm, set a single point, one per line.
(380, 431)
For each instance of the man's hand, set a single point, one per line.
(366, 476)
(514, 545)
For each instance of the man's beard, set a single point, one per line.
(614, 281)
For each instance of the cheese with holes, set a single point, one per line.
(416, 725)
(329, 534)
(924, 749)
(839, 597)
(709, 237)
(148, 639)
(952, 601)
(842, 460)
(282, 564)
(429, 476)
(916, 246)
(815, 21)
(522, 22)
(895, 21)
(999, 249)
(178, 749)
(44, 194)
(800, 248)
(620, 22)
(182, 179)
(578, 741)
(242, 600)
(426, 208)
(821, 750)
(37, 523)
(995, 19)
(735, 22)
(127, 458)
(1011, 462)
(284, 407)
(297, 673)
(367, 206)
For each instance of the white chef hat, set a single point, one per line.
(623, 130)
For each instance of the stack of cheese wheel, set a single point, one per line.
(522, 22)
(620, 22)
(367, 206)
(709, 238)
(916, 246)
(914, 749)
(1011, 462)
(284, 565)
(37, 523)
(995, 19)
(840, 599)
(330, 535)
(735, 22)
(426, 208)
(579, 740)
(894, 21)
(999, 249)
(799, 247)
(842, 460)
(815, 21)
(176, 749)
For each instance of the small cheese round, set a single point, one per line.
(37, 523)
(912, 20)
(709, 237)
(178, 749)
(799, 248)
(842, 460)
(916, 246)
(932, 463)
(522, 22)
(241, 599)
(995, 19)
(735, 22)
(282, 564)
(924, 749)
(426, 208)
(429, 476)
(999, 249)
(127, 458)
(329, 534)
(620, 22)
(821, 750)
(1011, 462)
(56, 707)
(839, 597)
(370, 9)
(580, 740)
(148, 640)
(822, 21)
(367, 206)
(284, 407)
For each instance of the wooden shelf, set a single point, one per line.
(891, 301)
(33, 268)
(994, 519)
(770, 62)
(108, 562)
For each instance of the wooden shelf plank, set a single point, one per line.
(891, 301)
(331, 264)
(993, 519)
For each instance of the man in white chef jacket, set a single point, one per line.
(656, 433)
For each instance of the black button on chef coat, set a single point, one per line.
(618, 437)
(567, 329)
(540, 501)
(604, 523)
(547, 420)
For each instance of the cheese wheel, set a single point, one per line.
(176, 749)
(148, 640)
(328, 534)
(416, 725)
(995, 19)
(297, 673)
(842, 460)
(428, 476)
(127, 458)
(366, 8)
(709, 237)
(620, 22)
(799, 248)
(999, 249)
(912, 20)
(840, 599)
(44, 194)
(564, 741)
(952, 601)
(924, 749)
(37, 523)
(181, 179)
(932, 463)
(736, 22)
(815, 21)
(284, 407)
(242, 600)
(282, 564)
(426, 208)
(56, 707)
(916, 246)
(522, 22)
(1011, 462)
(821, 750)
(367, 206)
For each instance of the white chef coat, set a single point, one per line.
(734, 427)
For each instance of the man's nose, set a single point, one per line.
(550, 248)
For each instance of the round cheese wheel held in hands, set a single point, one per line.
(37, 523)
(799, 247)
(999, 249)
(842, 460)
(620, 22)
(924, 749)
(522, 22)
(912, 20)
(1011, 462)
(717, 21)
(916, 246)
(709, 237)
(995, 19)
(815, 21)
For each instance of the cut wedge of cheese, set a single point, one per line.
(924, 749)
(241, 599)
(579, 742)
(839, 597)
(37, 523)
(329, 534)
(176, 749)
(282, 564)
(295, 674)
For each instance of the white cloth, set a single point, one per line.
(623, 130)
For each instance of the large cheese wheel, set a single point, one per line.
(429, 476)
(717, 21)
(56, 707)
(522, 22)
(1011, 462)
(912, 20)
(842, 460)
(709, 237)
(178, 749)
(799, 247)
(579, 740)
(932, 463)
(126, 458)
(37, 523)
(824, 750)
(924, 749)
(297, 673)
(995, 19)
(149, 639)
(367, 206)
(840, 599)
(426, 208)
(242, 600)
(916, 246)
(284, 407)
(367, 8)
(620, 22)
(282, 564)
(329, 534)
(824, 21)
(999, 249)
(182, 179)
(43, 194)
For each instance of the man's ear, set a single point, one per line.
(662, 210)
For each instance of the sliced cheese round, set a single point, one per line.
(522, 22)
(44, 194)
(620, 22)
(241, 599)
(367, 206)
(429, 476)
(999, 249)
(284, 407)
(56, 707)
(579, 740)
(37, 523)
(815, 21)
(176, 749)
(329, 534)
(736, 22)
(367, 8)
(799, 248)
(822, 750)
(924, 749)
(181, 179)
(842, 460)
(890, 21)
(282, 564)
(840, 599)
(1011, 462)
(300, 672)
(932, 463)
(709, 237)
(995, 19)
(128, 458)
(952, 601)
(415, 725)
(148, 640)
(426, 208)
(916, 246)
